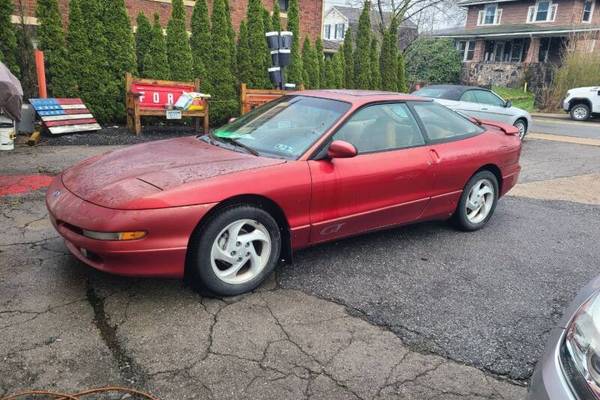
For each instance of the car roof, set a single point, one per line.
(359, 96)
(454, 92)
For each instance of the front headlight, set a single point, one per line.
(583, 343)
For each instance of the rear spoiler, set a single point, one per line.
(507, 129)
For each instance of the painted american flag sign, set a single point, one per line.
(65, 115)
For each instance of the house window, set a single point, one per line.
(588, 11)
(542, 11)
(327, 32)
(504, 51)
(466, 49)
(490, 15)
(283, 5)
(339, 31)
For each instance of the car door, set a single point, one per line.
(387, 183)
(456, 146)
(492, 107)
(468, 104)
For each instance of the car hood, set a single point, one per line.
(120, 179)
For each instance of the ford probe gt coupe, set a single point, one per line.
(223, 209)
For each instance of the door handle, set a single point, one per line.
(435, 156)
(484, 109)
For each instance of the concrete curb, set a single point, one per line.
(551, 115)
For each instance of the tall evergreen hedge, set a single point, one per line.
(402, 81)
(310, 65)
(243, 54)
(338, 70)
(79, 53)
(257, 62)
(294, 70)
(179, 52)
(320, 61)
(200, 41)
(143, 37)
(156, 64)
(8, 37)
(374, 65)
(224, 103)
(389, 58)
(276, 23)
(348, 51)
(362, 62)
(51, 40)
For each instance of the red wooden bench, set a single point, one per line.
(150, 97)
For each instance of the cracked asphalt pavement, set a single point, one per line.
(421, 312)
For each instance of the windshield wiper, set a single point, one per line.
(240, 144)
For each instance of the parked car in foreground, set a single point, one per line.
(223, 209)
(479, 103)
(570, 367)
(582, 103)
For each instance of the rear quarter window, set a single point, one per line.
(443, 124)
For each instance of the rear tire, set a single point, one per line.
(580, 112)
(477, 202)
(235, 251)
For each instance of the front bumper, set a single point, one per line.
(565, 104)
(160, 254)
(549, 381)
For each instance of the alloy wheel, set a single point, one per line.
(480, 201)
(240, 251)
(520, 125)
(580, 113)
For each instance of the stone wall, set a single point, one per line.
(487, 74)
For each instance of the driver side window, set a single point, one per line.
(489, 98)
(381, 127)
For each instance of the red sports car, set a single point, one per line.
(223, 209)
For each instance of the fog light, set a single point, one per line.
(133, 235)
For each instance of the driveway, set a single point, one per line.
(419, 312)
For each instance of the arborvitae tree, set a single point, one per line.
(200, 41)
(79, 54)
(375, 71)
(224, 103)
(309, 63)
(121, 50)
(25, 60)
(320, 62)
(51, 40)
(294, 70)
(267, 20)
(328, 81)
(8, 37)
(338, 68)
(348, 60)
(230, 35)
(389, 58)
(243, 54)
(362, 62)
(143, 36)
(276, 24)
(257, 62)
(97, 88)
(179, 52)
(156, 64)
(402, 83)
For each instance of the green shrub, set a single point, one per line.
(294, 70)
(375, 70)
(51, 40)
(362, 60)
(320, 61)
(200, 41)
(431, 60)
(8, 37)
(348, 51)
(156, 64)
(257, 74)
(143, 37)
(179, 52)
(276, 23)
(78, 71)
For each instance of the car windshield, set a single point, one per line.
(439, 92)
(285, 127)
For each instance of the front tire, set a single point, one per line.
(580, 112)
(477, 202)
(235, 251)
(521, 125)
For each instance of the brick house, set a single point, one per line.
(311, 12)
(338, 19)
(508, 41)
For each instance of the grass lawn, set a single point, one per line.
(519, 98)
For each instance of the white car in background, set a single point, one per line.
(582, 102)
(479, 103)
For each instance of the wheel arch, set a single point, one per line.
(580, 100)
(494, 169)
(259, 201)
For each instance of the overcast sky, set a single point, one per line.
(453, 17)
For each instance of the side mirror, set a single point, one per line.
(508, 104)
(341, 149)
(232, 119)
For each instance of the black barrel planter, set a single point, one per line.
(275, 76)
(275, 58)
(272, 40)
(284, 57)
(285, 40)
